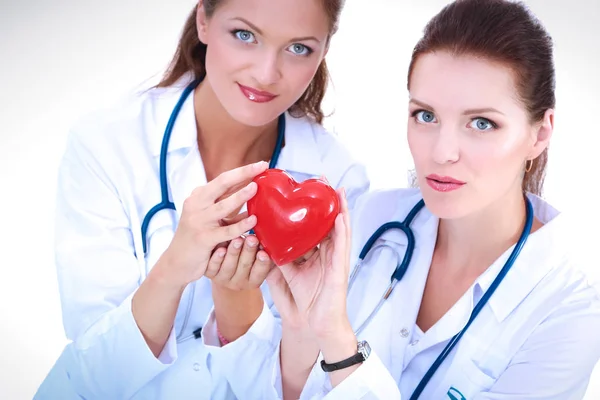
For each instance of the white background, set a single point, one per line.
(60, 59)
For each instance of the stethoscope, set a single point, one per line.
(403, 266)
(167, 204)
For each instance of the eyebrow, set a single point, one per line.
(466, 112)
(257, 29)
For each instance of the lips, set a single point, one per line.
(255, 95)
(444, 183)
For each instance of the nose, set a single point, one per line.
(446, 148)
(268, 69)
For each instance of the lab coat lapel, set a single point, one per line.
(186, 176)
(407, 296)
(301, 153)
(185, 170)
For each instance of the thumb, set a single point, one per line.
(337, 275)
(324, 179)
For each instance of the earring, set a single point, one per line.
(528, 165)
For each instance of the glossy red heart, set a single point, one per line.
(292, 217)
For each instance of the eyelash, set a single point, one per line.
(492, 123)
(235, 32)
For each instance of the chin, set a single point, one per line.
(254, 115)
(445, 205)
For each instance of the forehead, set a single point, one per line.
(461, 82)
(291, 17)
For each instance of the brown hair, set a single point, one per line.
(506, 32)
(191, 54)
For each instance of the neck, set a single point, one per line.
(224, 143)
(469, 245)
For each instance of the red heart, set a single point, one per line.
(292, 218)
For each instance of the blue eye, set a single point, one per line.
(300, 49)
(425, 117)
(482, 124)
(244, 36)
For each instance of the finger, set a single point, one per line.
(233, 220)
(224, 182)
(233, 203)
(231, 259)
(230, 232)
(261, 269)
(324, 179)
(340, 245)
(246, 259)
(233, 189)
(214, 264)
(306, 256)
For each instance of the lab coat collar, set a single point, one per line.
(300, 154)
(544, 250)
(424, 225)
(184, 134)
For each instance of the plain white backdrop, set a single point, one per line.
(59, 60)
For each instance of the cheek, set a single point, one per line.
(418, 144)
(500, 157)
(299, 74)
(221, 56)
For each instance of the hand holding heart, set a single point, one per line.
(239, 264)
(313, 294)
(201, 227)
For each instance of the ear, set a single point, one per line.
(542, 134)
(201, 22)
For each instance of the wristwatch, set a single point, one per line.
(364, 350)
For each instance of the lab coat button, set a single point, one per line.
(404, 332)
(196, 367)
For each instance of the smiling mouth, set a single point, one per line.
(255, 95)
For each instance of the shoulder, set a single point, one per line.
(385, 205)
(129, 123)
(319, 152)
(328, 147)
(378, 207)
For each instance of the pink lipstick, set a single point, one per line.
(443, 183)
(255, 95)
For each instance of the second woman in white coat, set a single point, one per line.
(480, 118)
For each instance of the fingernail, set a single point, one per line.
(237, 244)
(252, 242)
(220, 253)
(259, 164)
(262, 257)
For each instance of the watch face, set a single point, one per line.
(364, 349)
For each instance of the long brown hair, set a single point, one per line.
(506, 32)
(190, 56)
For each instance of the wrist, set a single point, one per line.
(162, 275)
(296, 327)
(339, 345)
(236, 311)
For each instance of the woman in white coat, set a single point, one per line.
(481, 112)
(136, 288)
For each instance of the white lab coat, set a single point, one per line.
(108, 180)
(537, 338)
